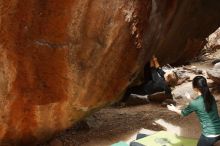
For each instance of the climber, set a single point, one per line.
(156, 80)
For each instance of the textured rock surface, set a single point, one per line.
(214, 74)
(214, 40)
(61, 59)
(217, 66)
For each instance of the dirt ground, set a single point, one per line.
(113, 124)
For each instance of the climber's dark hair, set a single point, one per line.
(200, 83)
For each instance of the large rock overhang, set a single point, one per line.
(62, 59)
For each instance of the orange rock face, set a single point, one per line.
(61, 59)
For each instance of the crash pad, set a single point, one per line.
(121, 143)
(164, 138)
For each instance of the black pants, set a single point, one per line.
(207, 141)
(145, 89)
(156, 83)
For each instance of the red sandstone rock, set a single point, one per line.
(60, 59)
(56, 142)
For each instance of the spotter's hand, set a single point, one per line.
(171, 107)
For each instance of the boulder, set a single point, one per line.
(56, 142)
(215, 61)
(217, 66)
(214, 74)
(62, 59)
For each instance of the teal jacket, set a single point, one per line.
(210, 122)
